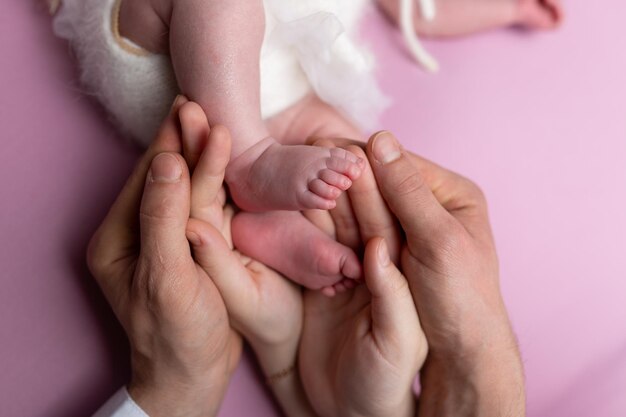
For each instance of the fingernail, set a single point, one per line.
(177, 101)
(386, 148)
(165, 168)
(383, 254)
(194, 239)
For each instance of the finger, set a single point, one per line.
(338, 142)
(371, 211)
(195, 132)
(120, 228)
(322, 220)
(223, 265)
(164, 210)
(426, 223)
(208, 178)
(393, 309)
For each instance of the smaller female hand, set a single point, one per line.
(361, 349)
(262, 305)
(183, 350)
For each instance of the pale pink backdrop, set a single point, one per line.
(539, 120)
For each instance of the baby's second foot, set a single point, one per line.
(462, 17)
(271, 176)
(287, 242)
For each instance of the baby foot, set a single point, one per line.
(271, 176)
(463, 17)
(540, 14)
(287, 242)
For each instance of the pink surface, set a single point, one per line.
(538, 120)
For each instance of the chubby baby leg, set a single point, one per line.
(462, 17)
(215, 50)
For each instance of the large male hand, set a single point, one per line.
(449, 259)
(182, 347)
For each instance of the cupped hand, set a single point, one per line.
(449, 259)
(182, 347)
(362, 349)
(264, 306)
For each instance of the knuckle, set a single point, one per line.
(357, 151)
(159, 282)
(338, 153)
(162, 212)
(410, 183)
(475, 193)
(449, 242)
(96, 262)
(398, 287)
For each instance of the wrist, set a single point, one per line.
(275, 358)
(278, 361)
(406, 407)
(487, 383)
(171, 394)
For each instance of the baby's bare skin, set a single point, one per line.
(215, 47)
(230, 97)
(463, 17)
(215, 50)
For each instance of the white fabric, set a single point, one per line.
(120, 405)
(308, 46)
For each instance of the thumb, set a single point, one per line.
(393, 309)
(408, 194)
(223, 266)
(164, 210)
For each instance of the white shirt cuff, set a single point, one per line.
(120, 405)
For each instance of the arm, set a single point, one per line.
(488, 386)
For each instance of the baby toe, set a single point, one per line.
(344, 154)
(340, 287)
(335, 179)
(345, 167)
(349, 283)
(329, 292)
(311, 200)
(324, 190)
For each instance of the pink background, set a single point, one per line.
(539, 120)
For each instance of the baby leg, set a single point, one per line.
(462, 17)
(215, 48)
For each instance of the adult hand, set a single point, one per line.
(264, 306)
(449, 259)
(183, 350)
(361, 349)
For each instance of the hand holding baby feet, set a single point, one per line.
(249, 289)
(271, 176)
